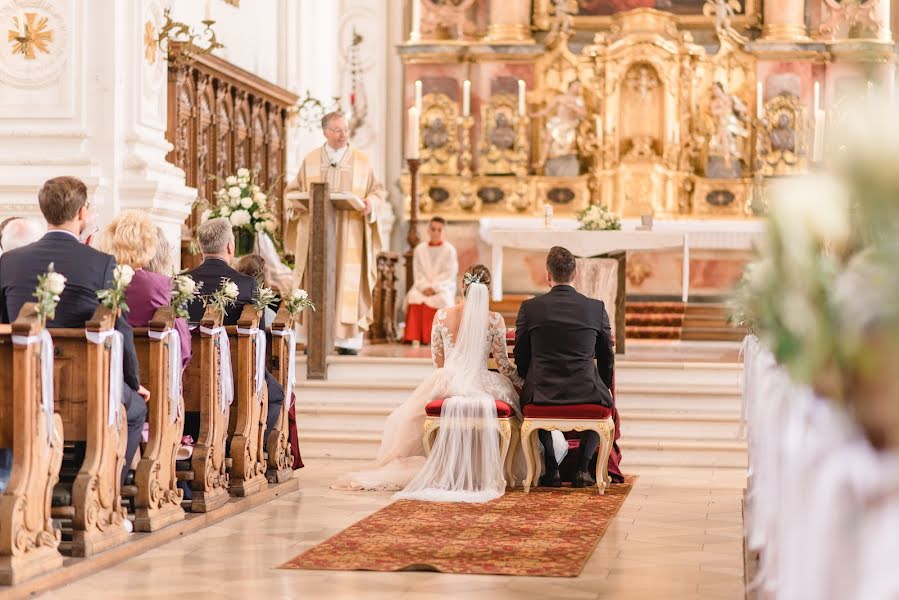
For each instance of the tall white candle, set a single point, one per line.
(466, 98)
(759, 100)
(208, 12)
(818, 144)
(418, 95)
(415, 32)
(522, 100)
(817, 97)
(412, 133)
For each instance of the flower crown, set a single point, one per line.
(473, 278)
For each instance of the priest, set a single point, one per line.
(345, 169)
(435, 267)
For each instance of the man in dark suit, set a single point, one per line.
(557, 337)
(63, 202)
(216, 240)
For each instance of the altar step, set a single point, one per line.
(672, 413)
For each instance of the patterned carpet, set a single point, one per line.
(547, 533)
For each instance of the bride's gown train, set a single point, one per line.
(464, 464)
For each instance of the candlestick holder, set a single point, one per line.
(521, 198)
(412, 236)
(467, 199)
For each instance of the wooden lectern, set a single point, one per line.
(321, 271)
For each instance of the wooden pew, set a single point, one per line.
(247, 423)
(202, 394)
(158, 500)
(280, 459)
(81, 379)
(29, 545)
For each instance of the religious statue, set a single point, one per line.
(783, 136)
(559, 150)
(730, 117)
(347, 170)
(435, 134)
(502, 134)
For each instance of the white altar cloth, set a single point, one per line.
(532, 234)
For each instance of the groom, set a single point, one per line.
(557, 337)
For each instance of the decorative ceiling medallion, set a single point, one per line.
(150, 43)
(37, 45)
(30, 35)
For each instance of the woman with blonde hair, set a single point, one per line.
(133, 239)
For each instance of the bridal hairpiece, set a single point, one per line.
(472, 278)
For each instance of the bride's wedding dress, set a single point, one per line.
(464, 464)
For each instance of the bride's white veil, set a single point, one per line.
(467, 355)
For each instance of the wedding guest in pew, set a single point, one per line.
(133, 240)
(63, 202)
(253, 265)
(216, 240)
(16, 232)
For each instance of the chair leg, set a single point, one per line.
(505, 441)
(527, 447)
(427, 439)
(509, 464)
(606, 435)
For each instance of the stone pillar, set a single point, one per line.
(510, 21)
(784, 21)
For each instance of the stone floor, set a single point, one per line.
(678, 536)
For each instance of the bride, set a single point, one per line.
(464, 464)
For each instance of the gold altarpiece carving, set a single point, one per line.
(642, 119)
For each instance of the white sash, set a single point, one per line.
(47, 406)
(174, 343)
(290, 334)
(226, 381)
(116, 371)
(260, 357)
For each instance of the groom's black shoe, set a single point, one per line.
(347, 351)
(583, 479)
(551, 480)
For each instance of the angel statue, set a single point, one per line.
(559, 148)
(730, 118)
(724, 12)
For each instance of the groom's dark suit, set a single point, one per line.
(557, 337)
(86, 271)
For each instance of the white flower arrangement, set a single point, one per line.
(597, 217)
(184, 291)
(264, 297)
(296, 300)
(49, 286)
(113, 298)
(242, 201)
(224, 297)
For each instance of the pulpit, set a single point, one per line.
(321, 269)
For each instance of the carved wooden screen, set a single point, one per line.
(222, 118)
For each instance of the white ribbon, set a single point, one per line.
(260, 357)
(174, 343)
(116, 371)
(226, 381)
(46, 342)
(291, 336)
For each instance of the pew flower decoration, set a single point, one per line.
(264, 297)
(597, 217)
(297, 300)
(184, 291)
(49, 286)
(242, 202)
(224, 297)
(113, 298)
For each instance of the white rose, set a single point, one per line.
(123, 274)
(56, 283)
(256, 189)
(259, 197)
(234, 192)
(239, 218)
(231, 180)
(256, 214)
(186, 285)
(234, 203)
(243, 172)
(246, 202)
(230, 290)
(205, 215)
(224, 211)
(243, 185)
(299, 294)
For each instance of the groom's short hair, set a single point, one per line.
(561, 264)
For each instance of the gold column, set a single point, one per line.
(784, 21)
(510, 21)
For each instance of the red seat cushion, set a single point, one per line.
(510, 335)
(569, 411)
(503, 410)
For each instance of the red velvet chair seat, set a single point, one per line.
(503, 410)
(570, 411)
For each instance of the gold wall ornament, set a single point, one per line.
(439, 137)
(783, 139)
(749, 16)
(178, 41)
(150, 43)
(845, 19)
(499, 143)
(30, 35)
